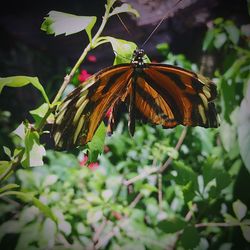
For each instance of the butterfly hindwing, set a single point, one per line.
(171, 95)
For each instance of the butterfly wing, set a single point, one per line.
(168, 95)
(80, 114)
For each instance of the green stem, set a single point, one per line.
(67, 78)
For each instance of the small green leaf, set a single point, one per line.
(190, 238)
(233, 32)
(96, 145)
(209, 37)
(34, 151)
(240, 209)
(40, 112)
(21, 81)
(124, 8)
(223, 179)
(219, 40)
(244, 129)
(20, 131)
(246, 230)
(63, 23)
(7, 151)
(172, 225)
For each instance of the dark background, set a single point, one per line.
(26, 50)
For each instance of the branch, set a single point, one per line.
(222, 224)
(153, 170)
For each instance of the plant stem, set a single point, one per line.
(68, 77)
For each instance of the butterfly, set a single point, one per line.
(155, 93)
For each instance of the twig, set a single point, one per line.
(177, 147)
(153, 170)
(136, 200)
(99, 231)
(222, 224)
(160, 190)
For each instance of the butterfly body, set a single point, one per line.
(156, 93)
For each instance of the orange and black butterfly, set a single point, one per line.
(156, 93)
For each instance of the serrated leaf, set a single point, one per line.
(96, 145)
(244, 129)
(64, 23)
(21, 81)
(190, 238)
(172, 225)
(124, 8)
(240, 209)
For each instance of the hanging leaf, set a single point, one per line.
(96, 145)
(240, 209)
(124, 8)
(21, 81)
(63, 23)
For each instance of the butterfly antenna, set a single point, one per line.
(158, 25)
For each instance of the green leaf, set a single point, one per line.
(223, 179)
(4, 166)
(63, 23)
(124, 8)
(20, 131)
(172, 225)
(7, 151)
(209, 37)
(8, 186)
(246, 230)
(34, 151)
(219, 40)
(96, 145)
(21, 81)
(10, 227)
(190, 238)
(184, 173)
(40, 112)
(47, 234)
(123, 49)
(28, 197)
(244, 129)
(233, 32)
(240, 209)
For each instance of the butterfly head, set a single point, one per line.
(137, 59)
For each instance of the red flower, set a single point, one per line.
(91, 58)
(84, 160)
(93, 165)
(84, 75)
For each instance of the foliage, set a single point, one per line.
(162, 189)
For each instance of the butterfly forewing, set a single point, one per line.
(82, 111)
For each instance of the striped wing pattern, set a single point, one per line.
(80, 114)
(162, 94)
